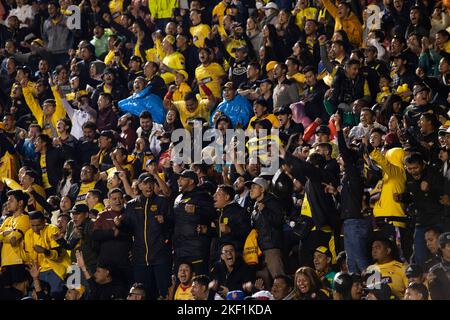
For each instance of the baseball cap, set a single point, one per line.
(323, 129)
(342, 282)
(80, 208)
(259, 181)
(189, 174)
(183, 73)
(235, 295)
(108, 134)
(169, 38)
(265, 81)
(271, 65)
(263, 295)
(324, 250)
(420, 88)
(271, 5)
(444, 239)
(146, 177)
(380, 290)
(371, 48)
(413, 271)
(136, 59)
(229, 85)
(242, 48)
(283, 110)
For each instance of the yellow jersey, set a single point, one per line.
(54, 261)
(394, 274)
(199, 34)
(183, 293)
(116, 9)
(303, 15)
(174, 61)
(210, 75)
(219, 11)
(181, 91)
(84, 188)
(19, 226)
(202, 111)
(43, 163)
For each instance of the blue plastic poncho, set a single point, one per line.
(144, 100)
(239, 110)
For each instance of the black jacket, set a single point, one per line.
(55, 158)
(186, 241)
(239, 222)
(269, 223)
(108, 291)
(345, 89)
(352, 181)
(85, 150)
(322, 204)
(425, 206)
(113, 250)
(150, 245)
(85, 243)
(234, 280)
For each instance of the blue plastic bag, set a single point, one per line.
(144, 100)
(239, 110)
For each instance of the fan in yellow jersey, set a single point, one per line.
(261, 111)
(39, 246)
(117, 7)
(181, 85)
(199, 30)
(191, 107)
(392, 271)
(220, 10)
(303, 12)
(173, 60)
(48, 115)
(183, 290)
(12, 231)
(209, 73)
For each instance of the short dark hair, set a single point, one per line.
(309, 69)
(108, 96)
(287, 279)
(36, 215)
(115, 190)
(46, 139)
(326, 145)
(19, 195)
(229, 190)
(139, 286)
(202, 279)
(294, 60)
(420, 288)
(437, 230)
(377, 130)
(350, 62)
(95, 192)
(189, 96)
(145, 115)
(415, 157)
(89, 125)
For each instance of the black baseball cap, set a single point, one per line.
(420, 88)
(266, 124)
(80, 208)
(414, 271)
(283, 110)
(444, 239)
(267, 80)
(189, 174)
(136, 58)
(108, 134)
(146, 177)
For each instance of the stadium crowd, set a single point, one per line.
(353, 96)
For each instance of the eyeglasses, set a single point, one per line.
(228, 252)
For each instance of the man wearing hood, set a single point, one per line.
(390, 215)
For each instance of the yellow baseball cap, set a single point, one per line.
(271, 65)
(169, 38)
(183, 73)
